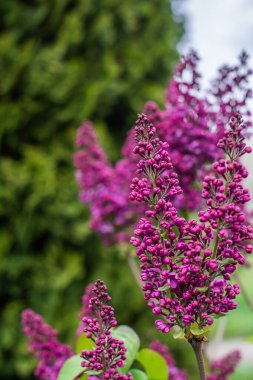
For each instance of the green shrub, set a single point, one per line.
(64, 61)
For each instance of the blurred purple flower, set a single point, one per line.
(42, 341)
(191, 123)
(221, 368)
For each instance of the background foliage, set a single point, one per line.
(64, 61)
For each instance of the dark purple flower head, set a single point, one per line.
(186, 125)
(110, 353)
(221, 368)
(225, 195)
(42, 341)
(186, 265)
(192, 123)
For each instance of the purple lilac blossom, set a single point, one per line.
(110, 353)
(186, 265)
(174, 372)
(187, 123)
(104, 187)
(94, 175)
(221, 368)
(42, 341)
(189, 119)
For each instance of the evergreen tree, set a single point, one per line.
(64, 61)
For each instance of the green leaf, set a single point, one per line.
(203, 289)
(138, 375)
(83, 343)
(218, 315)
(164, 287)
(131, 342)
(199, 331)
(231, 261)
(154, 364)
(178, 333)
(71, 368)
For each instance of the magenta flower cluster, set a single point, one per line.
(186, 265)
(222, 368)
(189, 119)
(110, 353)
(187, 123)
(43, 342)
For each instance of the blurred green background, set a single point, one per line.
(64, 61)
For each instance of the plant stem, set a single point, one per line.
(244, 292)
(134, 268)
(217, 240)
(197, 346)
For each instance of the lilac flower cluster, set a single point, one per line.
(186, 265)
(110, 353)
(42, 341)
(225, 196)
(174, 372)
(103, 187)
(94, 176)
(189, 119)
(187, 124)
(221, 368)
